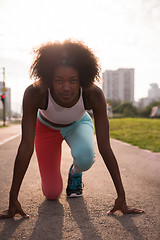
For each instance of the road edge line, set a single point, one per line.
(9, 139)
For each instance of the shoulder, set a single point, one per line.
(32, 90)
(35, 97)
(94, 97)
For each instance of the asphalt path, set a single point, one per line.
(86, 217)
(9, 132)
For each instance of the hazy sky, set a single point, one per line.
(123, 34)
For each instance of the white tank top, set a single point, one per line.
(61, 115)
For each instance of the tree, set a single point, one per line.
(114, 103)
(145, 112)
(126, 109)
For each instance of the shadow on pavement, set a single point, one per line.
(10, 227)
(48, 225)
(128, 224)
(80, 214)
(50, 221)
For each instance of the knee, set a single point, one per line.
(52, 192)
(84, 158)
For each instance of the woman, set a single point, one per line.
(55, 109)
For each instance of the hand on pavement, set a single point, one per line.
(120, 205)
(14, 209)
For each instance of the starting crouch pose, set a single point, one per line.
(55, 109)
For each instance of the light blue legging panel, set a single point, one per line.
(80, 138)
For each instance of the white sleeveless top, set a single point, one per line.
(61, 115)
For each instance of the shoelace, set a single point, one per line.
(76, 181)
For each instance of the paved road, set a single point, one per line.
(85, 218)
(9, 132)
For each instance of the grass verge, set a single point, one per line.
(141, 132)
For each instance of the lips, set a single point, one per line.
(66, 95)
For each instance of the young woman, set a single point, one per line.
(55, 109)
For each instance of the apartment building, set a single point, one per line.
(119, 84)
(154, 92)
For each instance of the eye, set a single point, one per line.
(74, 80)
(58, 81)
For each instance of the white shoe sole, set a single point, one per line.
(74, 195)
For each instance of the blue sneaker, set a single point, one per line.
(75, 185)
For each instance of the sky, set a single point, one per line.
(122, 34)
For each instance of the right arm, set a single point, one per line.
(25, 151)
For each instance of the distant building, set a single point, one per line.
(144, 102)
(7, 99)
(154, 92)
(119, 84)
(153, 95)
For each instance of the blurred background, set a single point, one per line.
(125, 36)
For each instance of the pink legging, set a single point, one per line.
(48, 142)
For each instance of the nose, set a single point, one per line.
(66, 87)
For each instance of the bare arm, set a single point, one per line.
(97, 102)
(103, 141)
(24, 152)
(26, 146)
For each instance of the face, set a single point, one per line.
(66, 86)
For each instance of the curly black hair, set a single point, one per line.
(69, 53)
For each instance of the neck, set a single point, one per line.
(62, 104)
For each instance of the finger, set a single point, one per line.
(9, 215)
(112, 211)
(126, 210)
(6, 214)
(133, 210)
(23, 214)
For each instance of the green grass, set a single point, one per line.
(141, 132)
(1, 126)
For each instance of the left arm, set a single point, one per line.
(98, 104)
